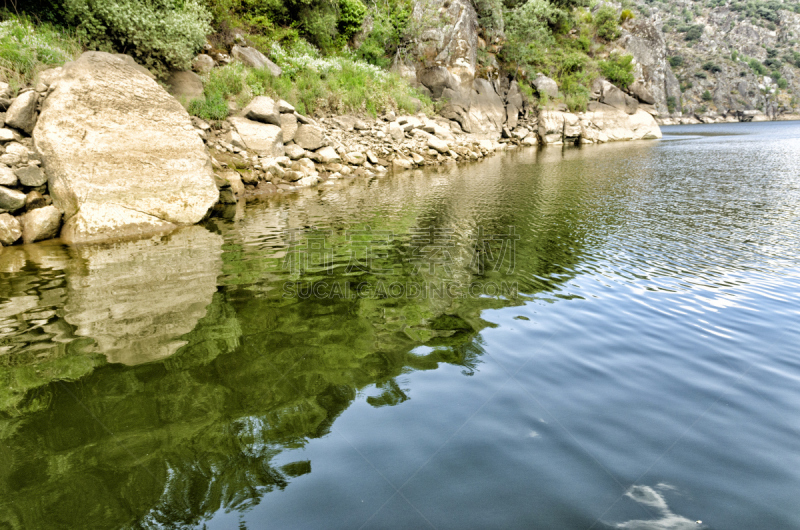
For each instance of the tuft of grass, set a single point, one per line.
(310, 83)
(26, 49)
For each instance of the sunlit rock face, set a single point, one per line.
(137, 298)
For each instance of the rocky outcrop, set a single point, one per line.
(655, 80)
(121, 154)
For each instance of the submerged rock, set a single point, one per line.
(122, 155)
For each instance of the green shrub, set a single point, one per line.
(707, 96)
(676, 61)
(711, 67)
(694, 33)
(351, 16)
(734, 55)
(671, 104)
(701, 75)
(757, 67)
(783, 83)
(213, 107)
(606, 23)
(618, 69)
(160, 34)
(625, 16)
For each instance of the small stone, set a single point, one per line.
(294, 151)
(399, 164)
(288, 126)
(355, 158)
(263, 109)
(285, 107)
(326, 155)
(203, 64)
(34, 200)
(5, 90)
(396, 132)
(31, 176)
(7, 176)
(22, 112)
(10, 159)
(10, 229)
(438, 144)
(417, 158)
(6, 135)
(309, 137)
(11, 200)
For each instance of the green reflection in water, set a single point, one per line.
(174, 370)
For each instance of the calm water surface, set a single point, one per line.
(619, 347)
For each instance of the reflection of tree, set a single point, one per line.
(175, 440)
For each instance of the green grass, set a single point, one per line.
(312, 84)
(26, 49)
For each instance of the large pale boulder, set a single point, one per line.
(606, 123)
(263, 138)
(121, 154)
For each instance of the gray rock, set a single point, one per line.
(263, 138)
(149, 169)
(639, 91)
(326, 155)
(5, 90)
(41, 223)
(11, 200)
(288, 126)
(438, 144)
(309, 137)
(396, 132)
(346, 123)
(31, 176)
(256, 59)
(186, 85)
(10, 229)
(436, 79)
(615, 97)
(203, 64)
(22, 112)
(7, 176)
(545, 85)
(263, 109)
(6, 135)
(34, 200)
(285, 106)
(10, 159)
(294, 151)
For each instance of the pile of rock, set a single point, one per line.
(26, 211)
(271, 148)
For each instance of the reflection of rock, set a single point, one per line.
(137, 298)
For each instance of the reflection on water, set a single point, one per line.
(192, 379)
(137, 298)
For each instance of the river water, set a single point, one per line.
(599, 337)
